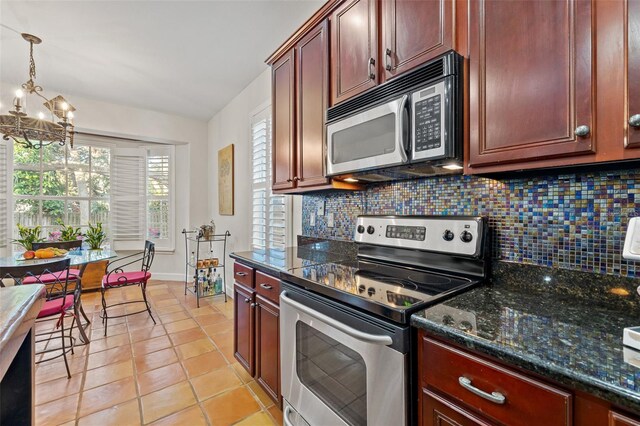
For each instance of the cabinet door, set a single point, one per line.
(413, 32)
(283, 107)
(633, 73)
(312, 53)
(617, 419)
(243, 343)
(354, 48)
(531, 82)
(268, 347)
(437, 411)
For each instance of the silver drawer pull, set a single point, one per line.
(495, 397)
(266, 286)
(241, 274)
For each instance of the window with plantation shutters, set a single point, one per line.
(4, 199)
(128, 198)
(269, 211)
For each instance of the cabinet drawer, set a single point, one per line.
(268, 287)
(526, 401)
(243, 274)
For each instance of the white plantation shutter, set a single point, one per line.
(4, 199)
(128, 198)
(269, 211)
(160, 184)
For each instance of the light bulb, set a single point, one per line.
(64, 106)
(19, 93)
(41, 115)
(70, 115)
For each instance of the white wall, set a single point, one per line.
(189, 135)
(232, 126)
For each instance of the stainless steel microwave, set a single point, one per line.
(408, 127)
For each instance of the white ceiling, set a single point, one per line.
(188, 58)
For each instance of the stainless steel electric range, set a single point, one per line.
(346, 342)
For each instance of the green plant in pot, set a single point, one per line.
(69, 233)
(28, 236)
(95, 236)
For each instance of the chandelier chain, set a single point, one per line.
(32, 63)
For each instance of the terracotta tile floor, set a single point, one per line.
(178, 372)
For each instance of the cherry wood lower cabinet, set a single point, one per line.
(268, 347)
(256, 328)
(458, 387)
(243, 321)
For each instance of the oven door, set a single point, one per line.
(375, 138)
(338, 368)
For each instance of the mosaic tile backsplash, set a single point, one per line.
(571, 221)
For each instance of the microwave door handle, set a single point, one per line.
(365, 337)
(400, 142)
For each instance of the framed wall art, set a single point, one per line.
(225, 181)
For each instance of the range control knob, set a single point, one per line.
(370, 229)
(360, 229)
(371, 291)
(448, 235)
(466, 236)
(361, 288)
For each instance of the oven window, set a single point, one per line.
(369, 139)
(333, 372)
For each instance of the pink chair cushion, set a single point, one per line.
(125, 278)
(52, 307)
(50, 278)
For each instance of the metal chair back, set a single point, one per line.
(55, 288)
(149, 255)
(67, 245)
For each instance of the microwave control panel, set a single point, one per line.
(427, 116)
(429, 106)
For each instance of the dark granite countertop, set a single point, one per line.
(308, 252)
(19, 307)
(563, 325)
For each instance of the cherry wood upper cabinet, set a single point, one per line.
(531, 81)
(413, 32)
(283, 108)
(354, 49)
(633, 74)
(312, 55)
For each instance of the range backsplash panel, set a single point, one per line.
(571, 221)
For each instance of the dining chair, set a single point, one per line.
(67, 245)
(59, 304)
(117, 277)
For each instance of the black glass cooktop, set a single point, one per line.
(390, 291)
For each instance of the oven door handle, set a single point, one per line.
(285, 417)
(365, 337)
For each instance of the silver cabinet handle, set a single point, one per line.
(266, 286)
(387, 59)
(253, 305)
(372, 74)
(241, 274)
(357, 334)
(582, 130)
(495, 397)
(247, 300)
(634, 120)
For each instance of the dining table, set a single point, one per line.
(79, 257)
